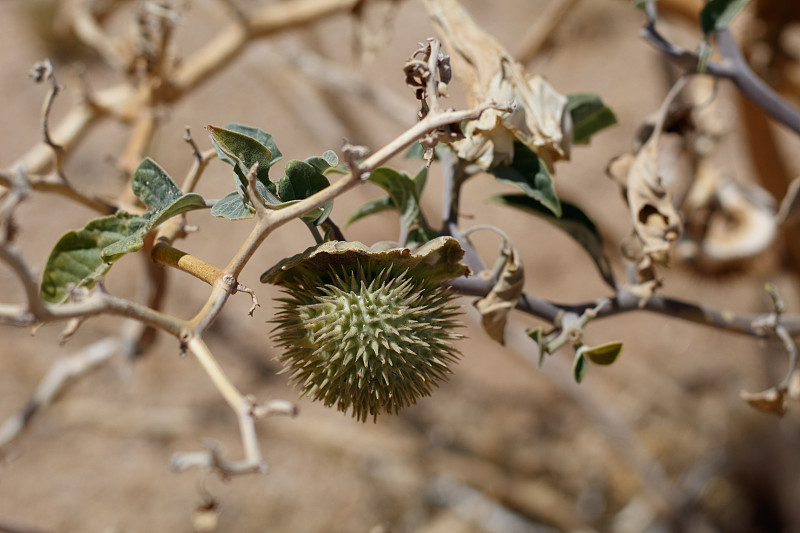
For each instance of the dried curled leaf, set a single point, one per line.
(656, 222)
(539, 119)
(495, 306)
(771, 401)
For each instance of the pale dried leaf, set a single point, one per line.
(655, 220)
(490, 73)
(771, 401)
(495, 306)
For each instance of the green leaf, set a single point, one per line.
(605, 354)
(420, 180)
(639, 4)
(573, 221)
(232, 207)
(303, 179)
(153, 186)
(187, 202)
(370, 208)
(259, 135)
(76, 258)
(323, 164)
(530, 174)
(242, 148)
(81, 257)
(718, 14)
(589, 115)
(402, 190)
(537, 335)
(579, 367)
(156, 189)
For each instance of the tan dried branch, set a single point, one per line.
(247, 412)
(542, 30)
(89, 30)
(230, 41)
(61, 373)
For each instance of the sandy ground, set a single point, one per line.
(504, 446)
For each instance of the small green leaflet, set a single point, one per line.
(579, 367)
(573, 221)
(81, 257)
(537, 335)
(718, 14)
(530, 174)
(605, 354)
(589, 115)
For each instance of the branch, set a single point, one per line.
(625, 302)
(230, 41)
(734, 68)
(62, 371)
(247, 412)
(275, 219)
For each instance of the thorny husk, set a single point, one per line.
(366, 330)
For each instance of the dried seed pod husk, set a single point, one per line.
(368, 331)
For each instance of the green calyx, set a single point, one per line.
(368, 331)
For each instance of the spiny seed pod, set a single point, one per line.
(366, 329)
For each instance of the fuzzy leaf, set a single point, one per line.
(303, 179)
(573, 221)
(495, 306)
(605, 354)
(81, 257)
(402, 190)
(529, 173)
(718, 14)
(242, 148)
(388, 203)
(187, 202)
(328, 160)
(370, 208)
(153, 186)
(232, 207)
(257, 134)
(589, 115)
(76, 258)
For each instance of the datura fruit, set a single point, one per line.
(368, 329)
